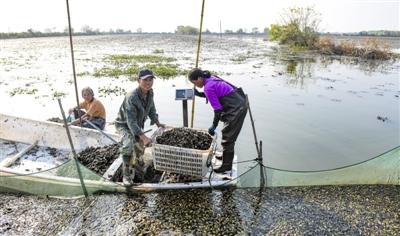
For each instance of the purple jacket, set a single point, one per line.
(215, 88)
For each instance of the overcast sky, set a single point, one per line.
(166, 15)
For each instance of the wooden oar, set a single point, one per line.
(9, 161)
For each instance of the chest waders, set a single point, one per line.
(233, 114)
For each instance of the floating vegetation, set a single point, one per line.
(164, 70)
(186, 138)
(106, 91)
(158, 51)
(125, 58)
(160, 70)
(23, 91)
(85, 73)
(130, 65)
(57, 94)
(109, 72)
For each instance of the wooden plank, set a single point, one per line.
(112, 170)
(9, 161)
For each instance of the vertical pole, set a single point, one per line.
(197, 58)
(73, 60)
(220, 29)
(73, 150)
(185, 113)
(252, 125)
(262, 176)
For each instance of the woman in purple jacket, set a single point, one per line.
(229, 106)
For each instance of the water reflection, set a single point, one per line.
(299, 71)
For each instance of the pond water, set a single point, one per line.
(311, 112)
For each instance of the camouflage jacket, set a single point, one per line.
(134, 111)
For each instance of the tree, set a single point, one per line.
(66, 30)
(240, 31)
(299, 26)
(254, 30)
(186, 30)
(87, 29)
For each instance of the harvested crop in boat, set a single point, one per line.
(185, 138)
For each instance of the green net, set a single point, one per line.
(60, 181)
(57, 175)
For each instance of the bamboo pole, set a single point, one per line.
(73, 149)
(73, 60)
(197, 60)
(9, 161)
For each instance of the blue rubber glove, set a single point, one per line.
(211, 130)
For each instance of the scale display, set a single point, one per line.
(184, 94)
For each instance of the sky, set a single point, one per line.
(166, 15)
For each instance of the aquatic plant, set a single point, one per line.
(125, 58)
(57, 94)
(164, 70)
(85, 73)
(104, 91)
(108, 72)
(157, 51)
(129, 65)
(23, 91)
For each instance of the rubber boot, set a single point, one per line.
(227, 159)
(128, 173)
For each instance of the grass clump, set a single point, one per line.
(130, 65)
(125, 58)
(23, 91)
(367, 49)
(57, 94)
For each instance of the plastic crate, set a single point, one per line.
(179, 160)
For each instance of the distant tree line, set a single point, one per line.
(85, 30)
(380, 33)
(193, 30)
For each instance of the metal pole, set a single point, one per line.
(73, 60)
(73, 150)
(185, 113)
(197, 59)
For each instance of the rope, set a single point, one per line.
(325, 170)
(251, 168)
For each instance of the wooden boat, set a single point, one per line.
(52, 183)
